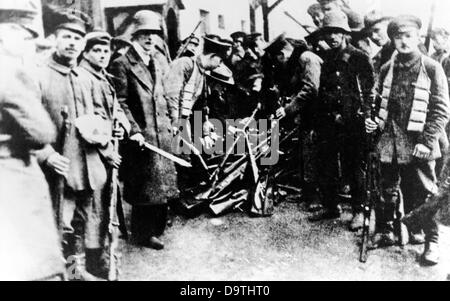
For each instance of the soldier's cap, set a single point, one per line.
(238, 35)
(222, 74)
(22, 13)
(194, 40)
(402, 23)
(335, 21)
(213, 37)
(227, 41)
(147, 20)
(277, 44)
(97, 37)
(253, 36)
(323, 2)
(121, 39)
(73, 20)
(216, 47)
(314, 36)
(373, 18)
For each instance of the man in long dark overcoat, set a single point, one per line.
(150, 180)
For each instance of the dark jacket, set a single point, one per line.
(29, 248)
(346, 89)
(396, 140)
(149, 178)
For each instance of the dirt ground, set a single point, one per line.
(284, 247)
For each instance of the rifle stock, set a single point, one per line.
(61, 184)
(113, 225)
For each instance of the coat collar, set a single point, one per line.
(139, 69)
(100, 75)
(57, 66)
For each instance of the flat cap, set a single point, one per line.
(216, 46)
(277, 44)
(373, 18)
(400, 23)
(253, 36)
(97, 37)
(22, 13)
(238, 35)
(73, 20)
(222, 74)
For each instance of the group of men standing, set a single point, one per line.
(67, 118)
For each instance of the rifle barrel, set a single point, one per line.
(183, 48)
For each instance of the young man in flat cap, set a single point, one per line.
(73, 156)
(375, 27)
(346, 91)
(29, 248)
(149, 179)
(414, 111)
(95, 59)
(183, 86)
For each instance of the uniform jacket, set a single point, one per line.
(105, 99)
(63, 86)
(396, 141)
(29, 248)
(346, 88)
(149, 178)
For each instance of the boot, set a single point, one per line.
(383, 240)
(96, 263)
(76, 268)
(155, 243)
(417, 238)
(431, 254)
(384, 236)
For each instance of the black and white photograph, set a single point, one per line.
(238, 141)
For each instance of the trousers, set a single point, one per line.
(416, 181)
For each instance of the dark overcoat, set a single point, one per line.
(149, 178)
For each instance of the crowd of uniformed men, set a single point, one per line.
(56, 121)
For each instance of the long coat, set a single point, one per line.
(62, 86)
(149, 178)
(29, 248)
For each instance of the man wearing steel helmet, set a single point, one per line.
(346, 90)
(149, 179)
